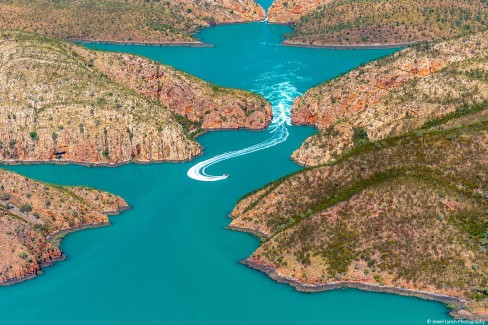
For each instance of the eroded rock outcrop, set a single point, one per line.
(32, 213)
(54, 107)
(392, 95)
(209, 106)
(63, 103)
(287, 12)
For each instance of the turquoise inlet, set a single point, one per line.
(170, 260)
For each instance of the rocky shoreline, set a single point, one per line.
(352, 46)
(132, 22)
(198, 43)
(141, 110)
(55, 239)
(328, 22)
(35, 216)
(459, 313)
(118, 164)
(261, 236)
(93, 164)
(58, 236)
(98, 41)
(13, 281)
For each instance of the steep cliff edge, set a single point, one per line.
(125, 21)
(32, 213)
(392, 95)
(210, 107)
(378, 22)
(287, 12)
(55, 107)
(63, 103)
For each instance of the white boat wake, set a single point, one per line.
(281, 97)
(197, 172)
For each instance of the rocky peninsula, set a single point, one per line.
(395, 198)
(391, 96)
(407, 213)
(208, 106)
(35, 215)
(63, 103)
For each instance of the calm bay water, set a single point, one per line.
(170, 260)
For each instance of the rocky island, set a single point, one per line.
(63, 103)
(333, 23)
(395, 198)
(34, 216)
(122, 21)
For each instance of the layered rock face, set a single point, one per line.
(287, 12)
(230, 11)
(378, 23)
(406, 213)
(32, 212)
(130, 21)
(63, 103)
(55, 107)
(210, 107)
(392, 95)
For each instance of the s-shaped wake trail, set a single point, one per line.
(281, 96)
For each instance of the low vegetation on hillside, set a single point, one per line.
(402, 203)
(290, 11)
(367, 22)
(206, 105)
(393, 95)
(32, 216)
(55, 107)
(149, 21)
(409, 211)
(61, 102)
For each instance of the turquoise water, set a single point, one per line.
(170, 260)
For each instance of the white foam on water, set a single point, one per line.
(281, 96)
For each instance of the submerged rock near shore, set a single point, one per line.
(33, 214)
(63, 103)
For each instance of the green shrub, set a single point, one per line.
(4, 196)
(34, 135)
(360, 136)
(26, 208)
